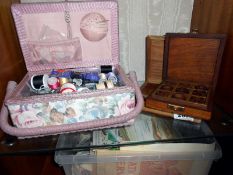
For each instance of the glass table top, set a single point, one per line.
(147, 129)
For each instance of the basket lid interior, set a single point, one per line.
(193, 57)
(67, 35)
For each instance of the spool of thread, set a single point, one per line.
(106, 69)
(76, 75)
(63, 80)
(109, 84)
(53, 83)
(54, 73)
(66, 74)
(77, 82)
(100, 86)
(111, 76)
(102, 77)
(91, 86)
(39, 82)
(67, 88)
(92, 76)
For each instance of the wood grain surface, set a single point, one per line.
(11, 61)
(214, 16)
(154, 58)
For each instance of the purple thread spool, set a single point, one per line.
(111, 76)
(54, 73)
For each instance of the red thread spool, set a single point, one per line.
(53, 83)
(67, 87)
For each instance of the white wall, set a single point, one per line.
(138, 18)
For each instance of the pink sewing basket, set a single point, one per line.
(69, 35)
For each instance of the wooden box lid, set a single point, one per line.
(193, 57)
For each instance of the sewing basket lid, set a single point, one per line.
(67, 34)
(193, 57)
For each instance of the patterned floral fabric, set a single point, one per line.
(71, 111)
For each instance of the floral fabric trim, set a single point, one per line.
(71, 111)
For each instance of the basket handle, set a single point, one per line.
(82, 126)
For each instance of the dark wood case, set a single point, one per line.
(190, 72)
(154, 63)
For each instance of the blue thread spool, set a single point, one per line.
(77, 75)
(66, 74)
(92, 77)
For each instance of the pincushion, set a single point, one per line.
(94, 26)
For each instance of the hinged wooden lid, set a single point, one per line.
(68, 34)
(193, 57)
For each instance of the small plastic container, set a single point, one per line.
(158, 158)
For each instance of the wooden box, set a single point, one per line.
(190, 73)
(154, 63)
